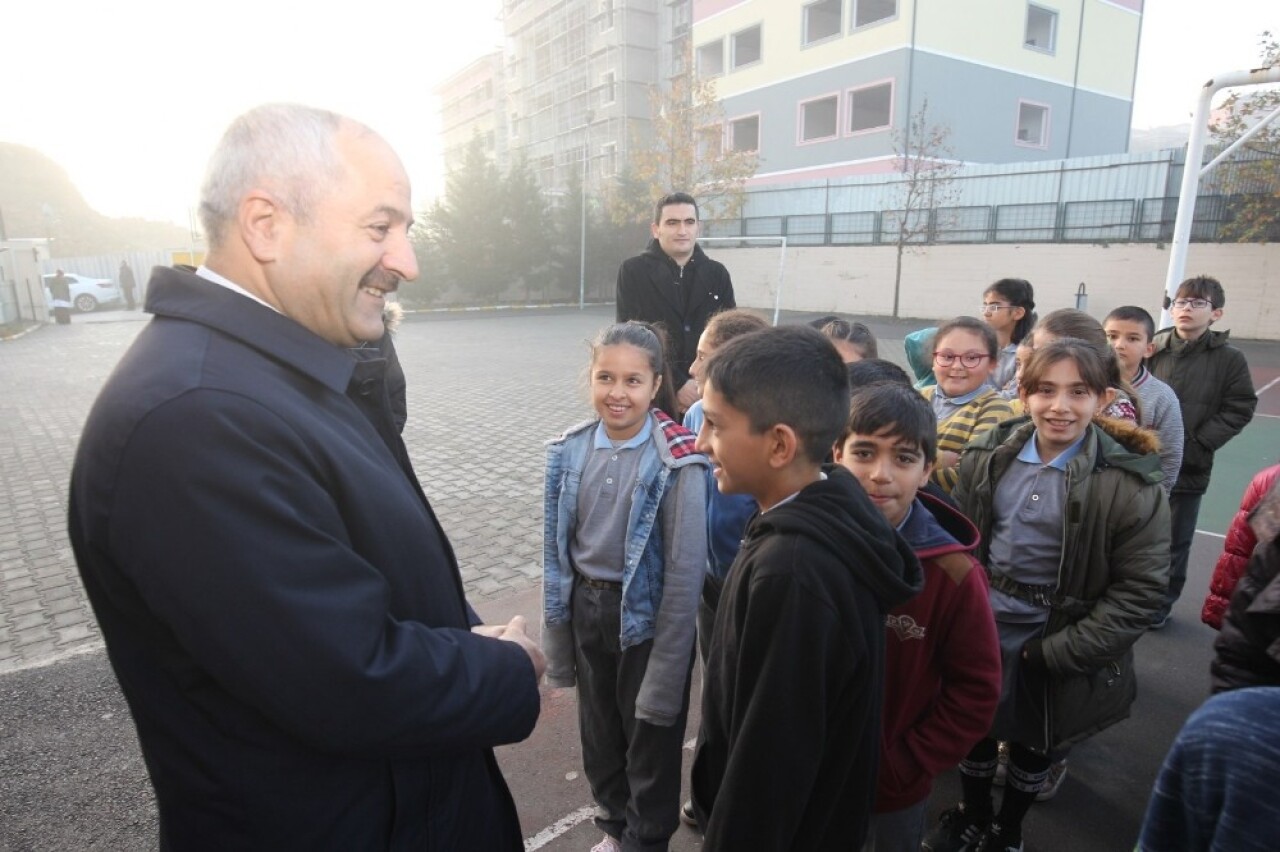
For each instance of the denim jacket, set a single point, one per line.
(666, 552)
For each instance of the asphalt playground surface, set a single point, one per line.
(485, 390)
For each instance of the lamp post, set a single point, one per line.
(582, 247)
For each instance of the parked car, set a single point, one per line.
(88, 294)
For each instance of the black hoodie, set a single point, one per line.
(788, 753)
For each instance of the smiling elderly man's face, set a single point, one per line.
(338, 264)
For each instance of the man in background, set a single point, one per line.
(673, 283)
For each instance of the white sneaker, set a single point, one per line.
(607, 845)
(1057, 774)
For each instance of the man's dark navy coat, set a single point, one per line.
(282, 609)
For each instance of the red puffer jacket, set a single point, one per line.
(1239, 546)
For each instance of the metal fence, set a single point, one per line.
(1101, 221)
(1110, 198)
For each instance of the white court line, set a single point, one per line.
(1272, 416)
(1213, 534)
(1268, 386)
(559, 827)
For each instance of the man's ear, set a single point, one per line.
(262, 222)
(653, 230)
(1215, 316)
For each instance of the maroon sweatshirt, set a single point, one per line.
(942, 660)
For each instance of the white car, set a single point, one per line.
(87, 294)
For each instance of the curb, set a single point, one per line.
(23, 332)
(514, 307)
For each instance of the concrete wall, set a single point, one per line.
(940, 282)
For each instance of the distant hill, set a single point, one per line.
(37, 199)
(1158, 138)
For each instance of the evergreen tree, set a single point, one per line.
(468, 229)
(530, 246)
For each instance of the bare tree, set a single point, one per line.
(685, 152)
(924, 159)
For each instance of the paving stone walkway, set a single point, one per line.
(485, 391)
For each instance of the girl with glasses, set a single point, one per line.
(1008, 306)
(964, 353)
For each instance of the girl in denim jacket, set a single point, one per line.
(624, 553)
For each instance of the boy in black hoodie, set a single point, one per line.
(788, 753)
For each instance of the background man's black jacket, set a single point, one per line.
(654, 288)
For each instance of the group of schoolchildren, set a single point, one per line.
(881, 581)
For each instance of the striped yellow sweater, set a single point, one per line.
(977, 416)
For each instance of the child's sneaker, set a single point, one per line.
(1002, 763)
(955, 832)
(687, 816)
(607, 845)
(993, 841)
(1057, 774)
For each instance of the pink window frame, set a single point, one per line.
(800, 105)
(848, 106)
(728, 130)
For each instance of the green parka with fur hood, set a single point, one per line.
(1112, 575)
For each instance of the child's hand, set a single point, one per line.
(947, 459)
(493, 631)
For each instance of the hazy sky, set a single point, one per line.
(130, 97)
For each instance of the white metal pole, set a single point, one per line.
(1191, 174)
(782, 269)
(582, 246)
(582, 236)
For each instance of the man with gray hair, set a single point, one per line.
(282, 609)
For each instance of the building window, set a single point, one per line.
(545, 167)
(608, 87)
(818, 119)
(1033, 125)
(678, 61)
(711, 59)
(871, 107)
(745, 48)
(680, 14)
(866, 12)
(606, 15)
(610, 153)
(744, 133)
(1042, 29)
(822, 20)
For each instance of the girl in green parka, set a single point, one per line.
(1075, 537)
